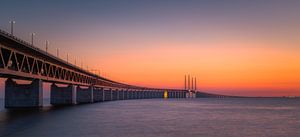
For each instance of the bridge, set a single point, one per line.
(20, 60)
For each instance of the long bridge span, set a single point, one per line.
(70, 83)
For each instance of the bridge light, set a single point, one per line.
(57, 52)
(47, 43)
(12, 27)
(42, 71)
(32, 35)
(165, 94)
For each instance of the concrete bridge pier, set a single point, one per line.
(170, 94)
(98, 95)
(185, 94)
(62, 95)
(162, 94)
(125, 94)
(107, 94)
(121, 94)
(129, 94)
(142, 94)
(154, 94)
(23, 95)
(139, 94)
(84, 95)
(145, 94)
(174, 94)
(178, 94)
(135, 94)
(115, 95)
(157, 95)
(150, 94)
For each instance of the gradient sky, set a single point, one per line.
(233, 47)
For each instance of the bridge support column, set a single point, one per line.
(169, 94)
(138, 95)
(129, 94)
(118, 94)
(149, 94)
(23, 95)
(62, 95)
(121, 94)
(107, 95)
(125, 94)
(162, 94)
(134, 95)
(152, 94)
(142, 94)
(84, 95)
(115, 94)
(177, 94)
(98, 95)
(145, 94)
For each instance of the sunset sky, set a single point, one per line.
(233, 47)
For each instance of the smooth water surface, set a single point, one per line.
(231, 117)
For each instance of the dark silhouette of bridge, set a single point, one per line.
(21, 60)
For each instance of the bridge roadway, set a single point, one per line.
(71, 84)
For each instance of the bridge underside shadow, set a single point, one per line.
(31, 95)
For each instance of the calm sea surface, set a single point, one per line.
(251, 117)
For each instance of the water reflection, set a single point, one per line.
(159, 118)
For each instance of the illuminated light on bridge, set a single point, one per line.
(165, 94)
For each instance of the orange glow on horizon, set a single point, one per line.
(216, 69)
